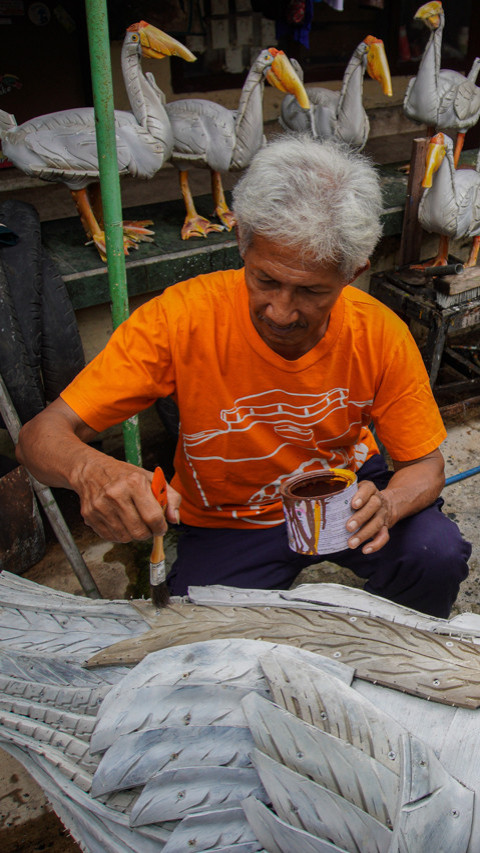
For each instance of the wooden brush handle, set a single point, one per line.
(158, 552)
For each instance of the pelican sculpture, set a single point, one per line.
(341, 115)
(62, 146)
(450, 205)
(208, 135)
(440, 98)
(173, 736)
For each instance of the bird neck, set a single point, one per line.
(146, 101)
(429, 68)
(352, 84)
(443, 184)
(249, 119)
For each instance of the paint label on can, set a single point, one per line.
(317, 507)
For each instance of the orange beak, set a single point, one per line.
(283, 76)
(435, 153)
(157, 44)
(430, 13)
(377, 64)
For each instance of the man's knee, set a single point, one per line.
(428, 561)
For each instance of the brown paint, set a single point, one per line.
(319, 487)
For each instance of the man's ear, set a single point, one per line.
(360, 270)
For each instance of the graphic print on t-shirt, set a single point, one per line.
(272, 424)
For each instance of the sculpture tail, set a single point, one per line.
(7, 121)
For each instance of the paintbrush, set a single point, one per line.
(158, 572)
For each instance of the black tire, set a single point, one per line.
(22, 266)
(62, 354)
(19, 376)
(44, 341)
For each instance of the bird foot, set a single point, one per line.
(226, 217)
(439, 261)
(138, 232)
(99, 241)
(198, 226)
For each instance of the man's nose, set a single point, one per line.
(281, 308)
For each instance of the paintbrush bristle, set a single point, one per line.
(160, 595)
(449, 300)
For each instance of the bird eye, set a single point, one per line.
(134, 36)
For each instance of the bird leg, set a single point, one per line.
(222, 210)
(89, 205)
(441, 259)
(194, 225)
(135, 231)
(472, 258)
(458, 148)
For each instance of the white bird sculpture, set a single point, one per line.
(341, 115)
(450, 205)
(62, 147)
(441, 98)
(289, 744)
(207, 135)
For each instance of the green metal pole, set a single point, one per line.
(99, 44)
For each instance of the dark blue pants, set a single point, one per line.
(421, 566)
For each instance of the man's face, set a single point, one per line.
(290, 301)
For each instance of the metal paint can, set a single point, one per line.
(317, 507)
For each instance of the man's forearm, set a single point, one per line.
(51, 446)
(414, 486)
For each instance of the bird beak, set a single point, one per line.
(430, 14)
(377, 64)
(435, 153)
(283, 76)
(157, 44)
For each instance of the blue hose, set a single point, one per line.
(462, 476)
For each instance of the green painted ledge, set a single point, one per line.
(155, 266)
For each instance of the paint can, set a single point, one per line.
(317, 507)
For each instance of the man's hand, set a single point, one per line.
(371, 519)
(414, 486)
(116, 497)
(117, 502)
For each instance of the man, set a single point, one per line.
(276, 368)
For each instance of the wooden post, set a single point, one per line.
(412, 232)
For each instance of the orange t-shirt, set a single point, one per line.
(250, 418)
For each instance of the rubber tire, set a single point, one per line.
(22, 267)
(62, 355)
(42, 339)
(19, 376)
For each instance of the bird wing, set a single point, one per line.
(380, 787)
(324, 105)
(468, 202)
(204, 133)
(62, 146)
(458, 101)
(467, 102)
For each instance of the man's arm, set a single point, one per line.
(115, 497)
(414, 486)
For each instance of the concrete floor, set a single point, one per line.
(25, 824)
